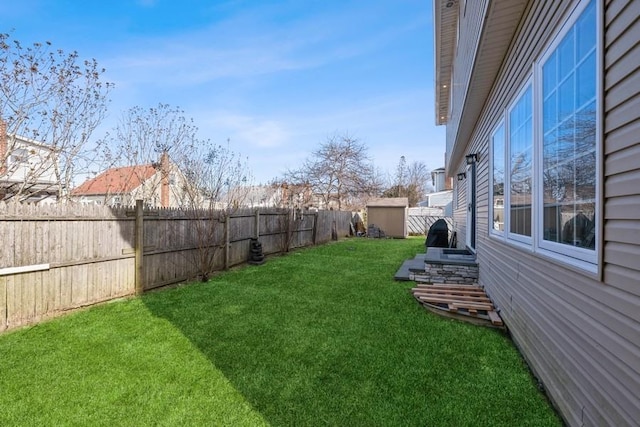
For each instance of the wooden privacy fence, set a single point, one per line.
(56, 258)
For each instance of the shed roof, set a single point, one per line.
(389, 202)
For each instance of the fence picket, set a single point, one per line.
(420, 224)
(89, 251)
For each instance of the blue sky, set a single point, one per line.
(275, 77)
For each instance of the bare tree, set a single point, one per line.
(289, 195)
(149, 137)
(219, 177)
(213, 179)
(339, 172)
(418, 177)
(219, 180)
(401, 174)
(51, 98)
(410, 181)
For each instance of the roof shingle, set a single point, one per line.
(116, 181)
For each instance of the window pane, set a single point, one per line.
(565, 55)
(549, 73)
(520, 165)
(586, 31)
(550, 144)
(586, 79)
(497, 142)
(550, 109)
(569, 137)
(566, 98)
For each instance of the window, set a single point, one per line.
(569, 88)
(19, 155)
(497, 179)
(544, 154)
(520, 165)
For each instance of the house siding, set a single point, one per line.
(470, 24)
(579, 332)
(622, 147)
(477, 41)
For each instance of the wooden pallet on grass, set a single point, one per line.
(464, 302)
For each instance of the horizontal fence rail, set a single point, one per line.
(56, 258)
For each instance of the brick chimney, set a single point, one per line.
(448, 183)
(4, 146)
(164, 179)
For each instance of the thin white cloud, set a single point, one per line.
(185, 64)
(251, 131)
(244, 46)
(391, 125)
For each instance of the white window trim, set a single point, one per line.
(493, 231)
(580, 258)
(525, 240)
(585, 259)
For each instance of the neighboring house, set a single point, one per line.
(159, 185)
(273, 195)
(440, 181)
(26, 169)
(541, 100)
(278, 195)
(442, 197)
(256, 196)
(262, 196)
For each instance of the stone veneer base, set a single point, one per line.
(449, 273)
(440, 268)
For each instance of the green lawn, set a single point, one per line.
(323, 336)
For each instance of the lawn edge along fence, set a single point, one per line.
(56, 258)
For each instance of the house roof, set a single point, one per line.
(116, 181)
(258, 194)
(32, 142)
(389, 202)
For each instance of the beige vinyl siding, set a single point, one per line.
(580, 335)
(467, 70)
(622, 148)
(469, 32)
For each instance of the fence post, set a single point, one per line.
(334, 227)
(139, 248)
(227, 220)
(315, 229)
(257, 228)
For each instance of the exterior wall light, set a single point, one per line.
(471, 158)
(461, 176)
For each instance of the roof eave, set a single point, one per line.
(500, 24)
(445, 15)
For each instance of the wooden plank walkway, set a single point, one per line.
(465, 302)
